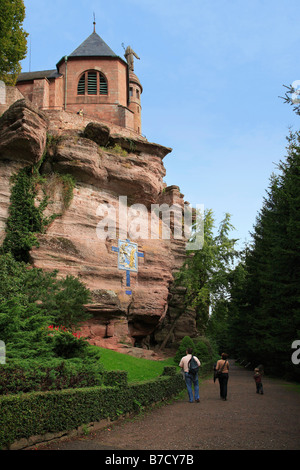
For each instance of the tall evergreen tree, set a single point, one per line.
(268, 316)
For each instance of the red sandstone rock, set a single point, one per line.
(7, 169)
(22, 132)
(97, 132)
(135, 176)
(72, 245)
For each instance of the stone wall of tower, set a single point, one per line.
(115, 73)
(135, 91)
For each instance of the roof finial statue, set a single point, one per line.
(94, 23)
(129, 53)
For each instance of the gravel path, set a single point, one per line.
(246, 421)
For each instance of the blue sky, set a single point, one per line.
(212, 74)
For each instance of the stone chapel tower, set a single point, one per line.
(92, 80)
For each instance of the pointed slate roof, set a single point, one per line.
(93, 46)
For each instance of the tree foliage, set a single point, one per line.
(226, 307)
(265, 310)
(13, 42)
(292, 97)
(202, 347)
(26, 217)
(28, 201)
(31, 299)
(204, 273)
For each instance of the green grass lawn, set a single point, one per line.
(138, 369)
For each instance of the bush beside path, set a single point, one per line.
(246, 421)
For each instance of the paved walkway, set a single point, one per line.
(246, 421)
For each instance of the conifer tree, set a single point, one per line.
(267, 314)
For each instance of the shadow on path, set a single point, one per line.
(246, 421)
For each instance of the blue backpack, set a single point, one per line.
(193, 367)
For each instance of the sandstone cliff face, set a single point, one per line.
(94, 154)
(23, 133)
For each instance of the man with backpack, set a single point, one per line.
(190, 365)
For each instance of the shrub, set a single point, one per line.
(67, 344)
(118, 150)
(185, 343)
(40, 296)
(202, 348)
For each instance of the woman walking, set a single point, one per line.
(222, 369)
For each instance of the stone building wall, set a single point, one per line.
(8, 95)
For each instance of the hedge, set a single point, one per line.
(29, 414)
(115, 378)
(54, 375)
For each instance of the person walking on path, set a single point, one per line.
(222, 369)
(190, 377)
(257, 377)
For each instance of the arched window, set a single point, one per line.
(81, 85)
(92, 82)
(103, 85)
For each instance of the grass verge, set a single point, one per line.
(138, 369)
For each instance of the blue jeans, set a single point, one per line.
(191, 380)
(259, 388)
